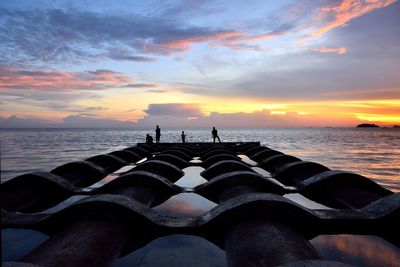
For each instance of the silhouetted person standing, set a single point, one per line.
(214, 133)
(183, 135)
(158, 134)
(149, 139)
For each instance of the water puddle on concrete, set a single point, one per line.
(359, 250)
(306, 202)
(247, 160)
(67, 202)
(187, 204)
(175, 251)
(16, 243)
(192, 177)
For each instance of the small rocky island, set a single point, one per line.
(367, 125)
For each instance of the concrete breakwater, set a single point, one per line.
(253, 223)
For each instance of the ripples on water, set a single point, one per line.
(374, 153)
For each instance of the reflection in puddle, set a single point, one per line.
(69, 201)
(247, 160)
(185, 204)
(305, 202)
(109, 178)
(357, 250)
(261, 171)
(191, 178)
(175, 251)
(16, 243)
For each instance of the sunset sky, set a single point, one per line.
(195, 63)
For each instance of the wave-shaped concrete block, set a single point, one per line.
(174, 160)
(163, 187)
(339, 189)
(127, 156)
(295, 172)
(188, 150)
(224, 166)
(215, 152)
(162, 168)
(275, 162)
(108, 162)
(33, 192)
(178, 153)
(254, 150)
(129, 212)
(213, 189)
(81, 173)
(264, 155)
(220, 157)
(138, 151)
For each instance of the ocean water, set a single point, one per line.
(374, 153)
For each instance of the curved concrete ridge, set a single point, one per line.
(254, 150)
(81, 173)
(264, 154)
(126, 155)
(209, 154)
(215, 146)
(161, 168)
(138, 150)
(340, 189)
(295, 172)
(35, 191)
(217, 158)
(243, 147)
(108, 162)
(150, 148)
(213, 189)
(127, 211)
(164, 188)
(185, 149)
(178, 153)
(174, 160)
(273, 163)
(389, 205)
(222, 166)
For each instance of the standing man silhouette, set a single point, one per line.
(158, 134)
(183, 135)
(214, 133)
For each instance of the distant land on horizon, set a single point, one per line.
(367, 125)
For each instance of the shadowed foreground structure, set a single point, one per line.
(253, 223)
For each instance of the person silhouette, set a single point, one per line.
(149, 139)
(214, 133)
(158, 134)
(183, 135)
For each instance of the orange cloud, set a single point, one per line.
(340, 14)
(11, 78)
(339, 50)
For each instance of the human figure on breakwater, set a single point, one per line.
(158, 134)
(149, 139)
(214, 133)
(183, 135)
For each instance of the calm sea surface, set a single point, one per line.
(374, 153)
